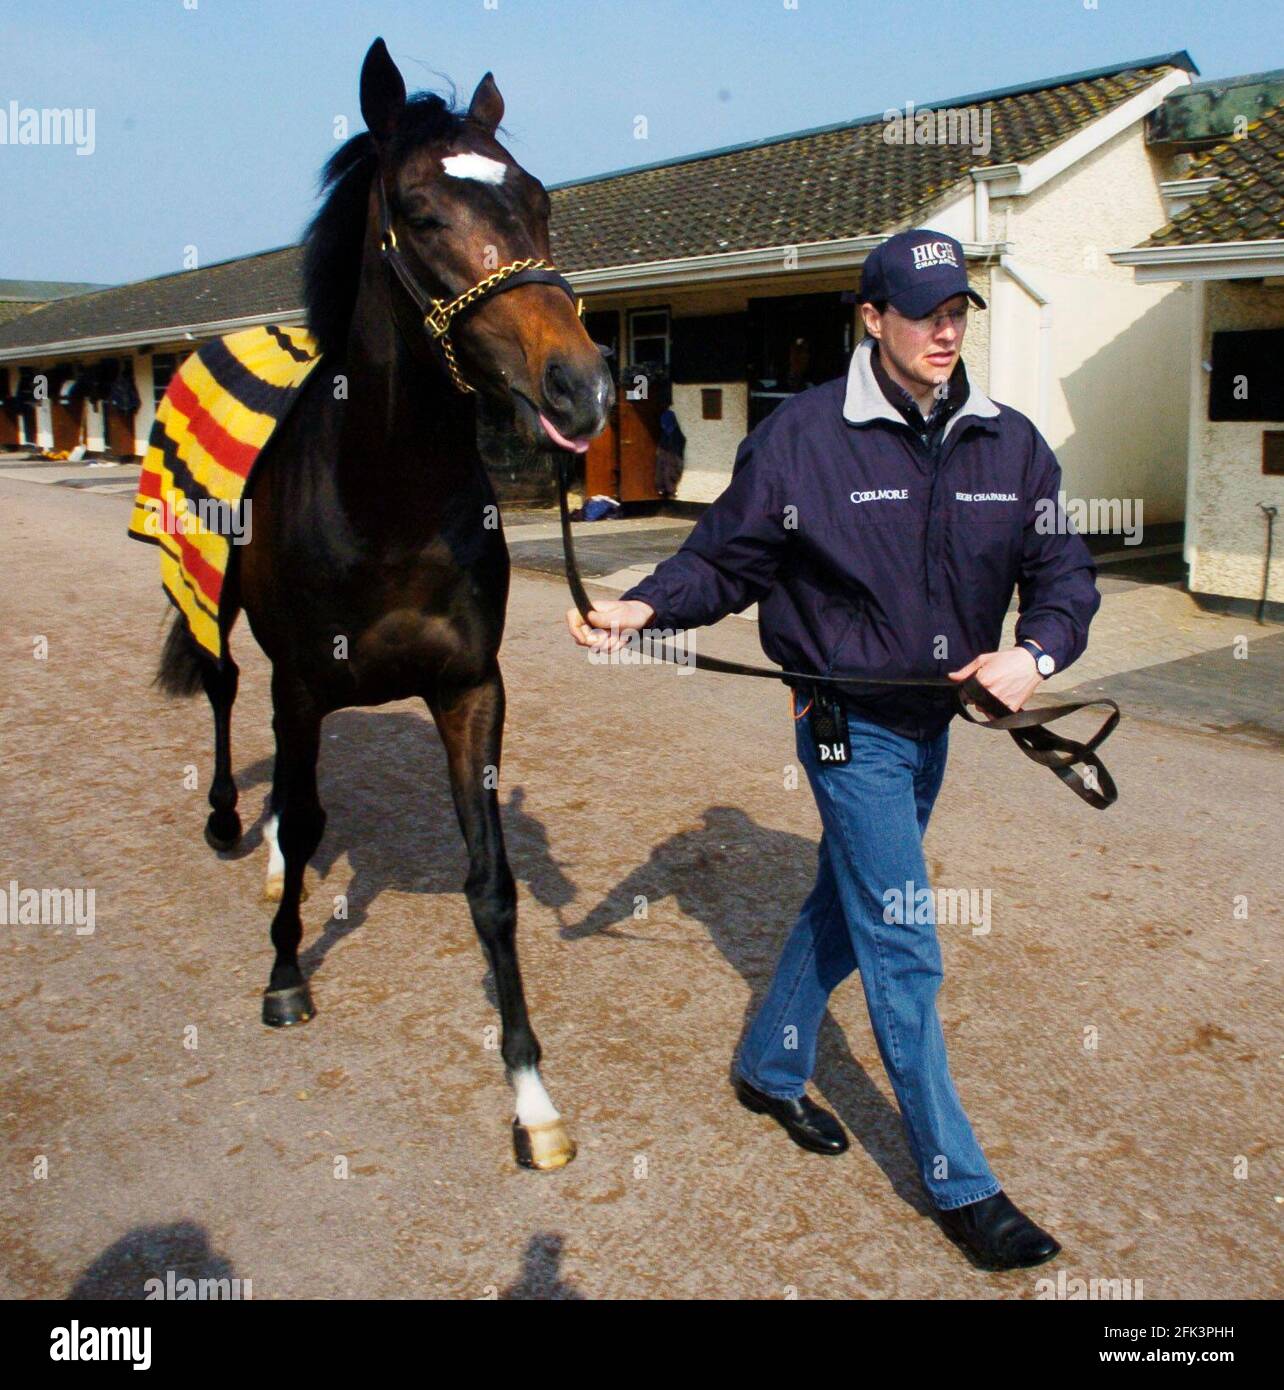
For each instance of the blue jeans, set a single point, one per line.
(873, 810)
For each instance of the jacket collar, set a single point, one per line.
(865, 401)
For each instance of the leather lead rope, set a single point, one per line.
(1026, 726)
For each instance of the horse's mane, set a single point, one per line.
(333, 241)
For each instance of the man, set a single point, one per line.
(882, 522)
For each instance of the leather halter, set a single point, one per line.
(438, 314)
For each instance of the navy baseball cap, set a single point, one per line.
(915, 271)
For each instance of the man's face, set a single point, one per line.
(925, 350)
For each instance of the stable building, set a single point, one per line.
(1223, 243)
(721, 283)
(90, 369)
(725, 281)
(18, 297)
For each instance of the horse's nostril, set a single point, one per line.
(579, 395)
(557, 382)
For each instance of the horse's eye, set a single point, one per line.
(425, 224)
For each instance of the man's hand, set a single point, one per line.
(608, 622)
(1009, 676)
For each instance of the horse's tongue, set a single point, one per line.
(577, 446)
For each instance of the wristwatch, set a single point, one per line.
(1043, 663)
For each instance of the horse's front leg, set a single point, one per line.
(472, 724)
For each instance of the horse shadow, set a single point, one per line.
(383, 781)
(746, 884)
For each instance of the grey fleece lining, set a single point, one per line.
(865, 400)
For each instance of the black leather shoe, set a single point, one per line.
(998, 1235)
(803, 1120)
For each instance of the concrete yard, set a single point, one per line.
(1114, 1035)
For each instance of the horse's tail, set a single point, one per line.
(182, 663)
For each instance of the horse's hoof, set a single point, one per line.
(223, 832)
(274, 890)
(545, 1146)
(283, 1007)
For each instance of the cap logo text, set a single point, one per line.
(930, 253)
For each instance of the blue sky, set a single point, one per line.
(210, 123)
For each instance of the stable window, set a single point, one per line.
(649, 337)
(164, 365)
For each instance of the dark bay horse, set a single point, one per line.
(376, 568)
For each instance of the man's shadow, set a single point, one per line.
(123, 1270)
(541, 1276)
(383, 781)
(746, 884)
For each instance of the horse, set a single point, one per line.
(376, 569)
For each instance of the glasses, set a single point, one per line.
(956, 318)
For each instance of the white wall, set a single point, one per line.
(1229, 541)
(146, 411)
(44, 425)
(711, 444)
(95, 437)
(1117, 399)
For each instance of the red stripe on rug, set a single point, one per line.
(229, 451)
(208, 578)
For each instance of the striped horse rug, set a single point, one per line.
(219, 411)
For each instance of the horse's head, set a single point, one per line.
(460, 208)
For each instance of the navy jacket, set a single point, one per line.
(866, 558)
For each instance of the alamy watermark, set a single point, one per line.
(47, 907)
(1072, 1287)
(966, 907)
(662, 646)
(89, 1343)
(48, 125)
(180, 1288)
(956, 125)
(175, 515)
(1104, 515)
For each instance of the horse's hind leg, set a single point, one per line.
(300, 825)
(472, 724)
(223, 828)
(186, 667)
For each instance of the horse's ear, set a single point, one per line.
(487, 106)
(383, 92)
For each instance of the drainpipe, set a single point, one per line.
(1197, 414)
(980, 209)
(1009, 175)
(1271, 514)
(1045, 338)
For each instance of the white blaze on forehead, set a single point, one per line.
(474, 166)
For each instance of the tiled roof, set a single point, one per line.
(839, 181)
(1248, 203)
(41, 291)
(815, 185)
(267, 283)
